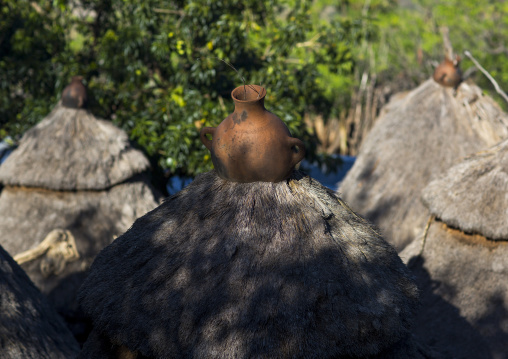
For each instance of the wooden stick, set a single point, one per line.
(496, 86)
(425, 232)
(447, 43)
(169, 11)
(51, 240)
(237, 72)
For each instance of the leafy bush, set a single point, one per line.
(152, 67)
(408, 41)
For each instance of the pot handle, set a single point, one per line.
(297, 156)
(202, 134)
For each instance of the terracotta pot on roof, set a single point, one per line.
(74, 94)
(252, 144)
(448, 73)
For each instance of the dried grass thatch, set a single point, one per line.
(243, 270)
(73, 185)
(463, 279)
(72, 150)
(29, 327)
(430, 129)
(473, 195)
(94, 218)
(462, 272)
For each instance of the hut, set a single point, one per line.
(73, 184)
(415, 140)
(29, 326)
(461, 263)
(256, 267)
(240, 270)
(71, 150)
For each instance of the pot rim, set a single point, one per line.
(261, 95)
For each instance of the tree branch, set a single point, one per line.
(37, 8)
(169, 11)
(496, 86)
(448, 49)
(309, 43)
(498, 50)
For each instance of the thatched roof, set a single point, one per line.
(462, 272)
(473, 195)
(430, 129)
(72, 150)
(242, 270)
(463, 278)
(93, 218)
(29, 326)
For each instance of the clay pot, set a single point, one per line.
(252, 144)
(448, 73)
(74, 95)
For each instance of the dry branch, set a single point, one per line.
(447, 43)
(169, 11)
(426, 232)
(499, 90)
(53, 238)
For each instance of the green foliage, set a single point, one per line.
(404, 40)
(29, 39)
(479, 27)
(151, 65)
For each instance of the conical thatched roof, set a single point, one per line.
(72, 150)
(430, 129)
(473, 195)
(242, 270)
(29, 326)
(93, 218)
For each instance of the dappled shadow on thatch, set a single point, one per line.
(464, 292)
(72, 150)
(493, 323)
(439, 323)
(73, 315)
(263, 270)
(472, 195)
(412, 143)
(29, 326)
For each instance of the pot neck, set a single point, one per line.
(250, 98)
(250, 106)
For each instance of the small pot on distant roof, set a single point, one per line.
(74, 95)
(448, 73)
